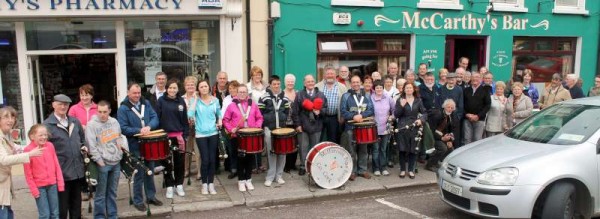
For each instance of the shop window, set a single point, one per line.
(544, 56)
(361, 3)
(440, 4)
(55, 35)
(10, 92)
(507, 5)
(368, 52)
(570, 7)
(178, 48)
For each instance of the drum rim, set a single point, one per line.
(327, 144)
(367, 123)
(250, 130)
(291, 130)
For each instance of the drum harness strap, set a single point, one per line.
(276, 106)
(246, 114)
(358, 103)
(140, 115)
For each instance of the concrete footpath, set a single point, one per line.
(296, 188)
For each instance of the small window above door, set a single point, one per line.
(440, 4)
(507, 5)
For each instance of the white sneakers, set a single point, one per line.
(385, 173)
(204, 189)
(268, 183)
(179, 190)
(242, 185)
(211, 189)
(249, 184)
(377, 173)
(169, 194)
(280, 181)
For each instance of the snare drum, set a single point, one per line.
(329, 165)
(251, 140)
(365, 132)
(283, 141)
(154, 146)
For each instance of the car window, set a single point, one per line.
(561, 124)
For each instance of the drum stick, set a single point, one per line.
(368, 119)
(151, 132)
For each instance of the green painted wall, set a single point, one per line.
(295, 33)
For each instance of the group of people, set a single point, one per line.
(411, 111)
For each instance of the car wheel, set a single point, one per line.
(560, 202)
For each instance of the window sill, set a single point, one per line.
(441, 5)
(569, 10)
(360, 3)
(508, 8)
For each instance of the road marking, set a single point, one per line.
(400, 208)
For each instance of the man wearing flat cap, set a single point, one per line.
(68, 137)
(554, 93)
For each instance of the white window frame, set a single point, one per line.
(519, 6)
(360, 3)
(440, 4)
(579, 9)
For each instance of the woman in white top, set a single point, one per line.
(256, 86)
(191, 97)
(498, 117)
(232, 86)
(388, 86)
(290, 93)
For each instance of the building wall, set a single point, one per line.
(296, 31)
(259, 16)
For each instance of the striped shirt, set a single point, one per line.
(332, 99)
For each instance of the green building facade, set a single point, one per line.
(505, 36)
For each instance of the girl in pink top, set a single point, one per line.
(86, 108)
(43, 174)
(234, 120)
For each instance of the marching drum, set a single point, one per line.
(154, 146)
(365, 132)
(329, 165)
(251, 140)
(283, 141)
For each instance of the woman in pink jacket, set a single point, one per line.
(243, 113)
(86, 108)
(43, 174)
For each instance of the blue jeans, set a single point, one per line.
(47, 203)
(208, 150)
(142, 179)
(105, 199)
(6, 212)
(380, 153)
(359, 153)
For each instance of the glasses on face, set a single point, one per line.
(242, 92)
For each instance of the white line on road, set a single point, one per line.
(400, 208)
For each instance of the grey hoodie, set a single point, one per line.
(102, 138)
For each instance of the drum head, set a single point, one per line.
(332, 165)
(154, 135)
(282, 131)
(250, 130)
(365, 124)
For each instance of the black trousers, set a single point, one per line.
(245, 162)
(332, 129)
(69, 201)
(441, 150)
(174, 169)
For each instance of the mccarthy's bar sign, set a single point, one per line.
(438, 21)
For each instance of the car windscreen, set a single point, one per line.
(560, 124)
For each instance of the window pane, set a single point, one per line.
(394, 44)
(543, 66)
(564, 46)
(177, 48)
(10, 93)
(375, 63)
(70, 35)
(521, 45)
(543, 45)
(364, 44)
(340, 46)
(573, 3)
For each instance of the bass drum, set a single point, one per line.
(329, 165)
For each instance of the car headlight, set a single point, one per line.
(499, 177)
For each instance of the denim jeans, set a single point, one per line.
(6, 212)
(307, 142)
(359, 153)
(380, 153)
(472, 131)
(208, 150)
(47, 203)
(105, 199)
(142, 181)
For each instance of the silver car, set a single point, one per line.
(545, 167)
